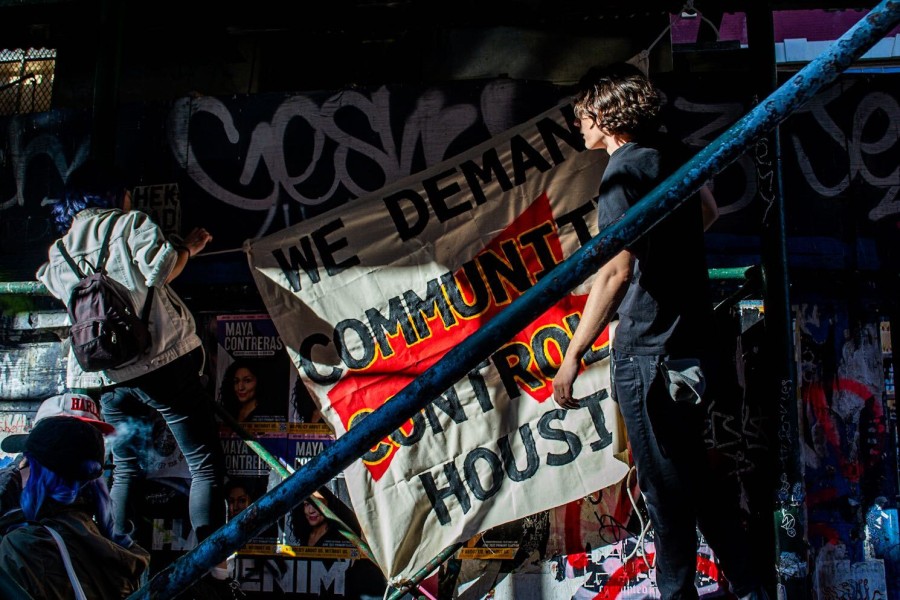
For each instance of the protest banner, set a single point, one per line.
(368, 299)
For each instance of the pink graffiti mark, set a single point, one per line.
(815, 397)
(620, 579)
(825, 532)
(624, 576)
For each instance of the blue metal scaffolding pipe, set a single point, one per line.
(671, 193)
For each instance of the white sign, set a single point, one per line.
(369, 296)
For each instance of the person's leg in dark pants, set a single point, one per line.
(176, 392)
(665, 439)
(126, 409)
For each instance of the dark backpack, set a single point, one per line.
(106, 330)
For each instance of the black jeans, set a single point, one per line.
(681, 490)
(177, 393)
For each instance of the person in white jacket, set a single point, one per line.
(167, 377)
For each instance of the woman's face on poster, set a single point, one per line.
(313, 516)
(244, 385)
(238, 499)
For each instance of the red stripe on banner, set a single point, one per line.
(364, 390)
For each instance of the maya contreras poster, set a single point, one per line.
(369, 296)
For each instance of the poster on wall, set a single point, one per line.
(252, 391)
(368, 300)
(253, 372)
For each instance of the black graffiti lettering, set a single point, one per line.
(364, 336)
(512, 362)
(593, 354)
(551, 131)
(466, 307)
(302, 257)
(415, 434)
(396, 321)
(577, 218)
(532, 461)
(464, 294)
(307, 364)
(437, 495)
(495, 466)
(434, 302)
(485, 470)
(549, 433)
(449, 404)
(479, 386)
(409, 209)
(406, 229)
(549, 334)
(512, 271)
(438, 196)
(524, 157)
(476, 175)
(327, 249)
(592, 402)
(379, 451)
(538, 240)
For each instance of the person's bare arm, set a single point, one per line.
(708, 207)
(606, 294)
(193, 243)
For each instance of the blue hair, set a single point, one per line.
(44, 483)
(88, 186)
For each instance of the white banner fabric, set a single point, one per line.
(370, 295)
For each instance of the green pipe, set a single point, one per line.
(286, 472)
(25, 288)
(425, 571)
(36, 288)
(729, 273)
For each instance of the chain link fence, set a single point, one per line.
(26, 80)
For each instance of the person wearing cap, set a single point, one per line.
(167, 378)
(66, 495)
(14, 476)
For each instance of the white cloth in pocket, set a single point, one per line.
(685, 379)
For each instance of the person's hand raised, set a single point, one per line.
(196, 240)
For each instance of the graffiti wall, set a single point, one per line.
(850, 457)
(247, 166)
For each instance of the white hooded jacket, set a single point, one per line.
(139, 257)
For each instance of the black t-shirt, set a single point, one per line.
(667, 307)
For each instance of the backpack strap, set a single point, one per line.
(104, 246)
(70, 570)
(65, 255)
(101, 258)
(145, 312)
(101, 264)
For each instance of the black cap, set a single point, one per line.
(66, 445)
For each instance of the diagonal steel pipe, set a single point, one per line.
(671, 193)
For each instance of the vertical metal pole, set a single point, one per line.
(791, 552)
(466, 356)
